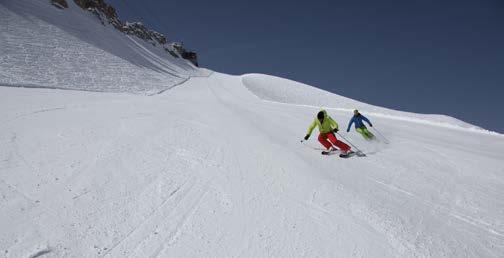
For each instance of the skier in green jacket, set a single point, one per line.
(327, 127)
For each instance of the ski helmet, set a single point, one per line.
(320, 115)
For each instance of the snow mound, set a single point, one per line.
(44, 46)
(276, 89)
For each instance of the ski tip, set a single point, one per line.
(360, 154)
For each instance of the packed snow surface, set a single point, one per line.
(210, 169)
(43, 46)
(214, 167)
(287, 91)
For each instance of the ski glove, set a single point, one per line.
(347, 131)
(306, 137)
(335, 130)
(371, 125)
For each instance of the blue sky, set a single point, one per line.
(439, 57)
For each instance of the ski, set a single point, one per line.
(347, 155)
(327, 152)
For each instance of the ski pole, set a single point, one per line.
(349, 142)
(387, 141)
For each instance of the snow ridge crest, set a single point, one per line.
(107, 14)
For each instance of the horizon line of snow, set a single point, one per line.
(473, 129)
(402, 118)
(184, 81)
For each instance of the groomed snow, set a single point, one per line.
(209, 169)
(43, 46)
(282, 90)
(214, 167)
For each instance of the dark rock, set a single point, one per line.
(61, 4)
(139, 30)
(184, 53)
(99, 7)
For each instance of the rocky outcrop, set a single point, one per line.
(108, 15)
(102, 10)
(184, 53)
(139, 30)
(61, 4)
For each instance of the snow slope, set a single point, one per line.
(43, 46)
(286, 91)
(210, 169)
(214, 167)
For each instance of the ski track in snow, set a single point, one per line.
(205, 170)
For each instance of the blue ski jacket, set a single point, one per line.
(358, 121)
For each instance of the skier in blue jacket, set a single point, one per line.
(359, 125)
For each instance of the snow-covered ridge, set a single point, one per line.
(44, 46)
(107, 15)
(276, 89)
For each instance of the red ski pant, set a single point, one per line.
(327, 138)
